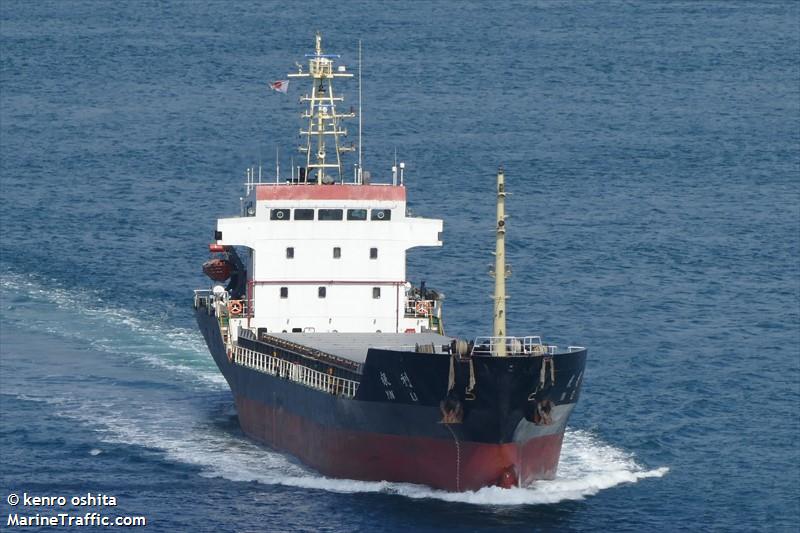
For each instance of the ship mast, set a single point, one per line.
(501, 270)
(323, 118)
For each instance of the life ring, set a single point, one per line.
(235, 307)
(422, 307)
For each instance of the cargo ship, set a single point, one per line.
(335, 358)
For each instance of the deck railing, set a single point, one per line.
(295, 372)
(531, 345)
(418, 308)
(203, 298)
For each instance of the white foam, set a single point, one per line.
(86, 317)
(588, 465)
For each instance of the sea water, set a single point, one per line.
(652, 152)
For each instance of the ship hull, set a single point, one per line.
(443, 463)
(373, 439)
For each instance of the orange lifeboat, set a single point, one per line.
(218, 269)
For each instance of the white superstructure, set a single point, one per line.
(323, 255)
(331, 258)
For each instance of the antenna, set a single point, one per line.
(394, 168)
(360, 162)
(324, 119)
(260, 160)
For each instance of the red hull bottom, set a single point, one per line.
(438, 463)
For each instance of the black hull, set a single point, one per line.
(400, 403)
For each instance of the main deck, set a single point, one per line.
(354, 346)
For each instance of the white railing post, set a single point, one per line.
(296, 372)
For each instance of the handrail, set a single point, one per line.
(295, 372)
(302, 350)
(530, 345)
(419, 308)
(287, 182)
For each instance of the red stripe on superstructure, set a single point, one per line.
(438, 463)
(325, 282)
(331, 192)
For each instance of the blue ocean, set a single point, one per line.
(653, 154)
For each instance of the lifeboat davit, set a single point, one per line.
(218, 269)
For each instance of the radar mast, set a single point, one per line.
(323, 146)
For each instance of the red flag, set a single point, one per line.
(281, 86)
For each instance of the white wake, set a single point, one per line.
(181, 429)
(82, 315)
(588, 465)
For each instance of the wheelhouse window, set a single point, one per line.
(329, 214)
(279, 214)
(290, 252)
(356, 214)
(304, 214)
(284, 292)
(381, 214)
(373, 253)
(322, 292)
(376, 292)
(337, 252)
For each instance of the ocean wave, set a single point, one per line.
(588, 465)
(83, 315)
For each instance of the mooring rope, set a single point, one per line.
(471, 375)
(451, 380)
(542, 374)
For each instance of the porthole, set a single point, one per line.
(381, 214)
(279, 214)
